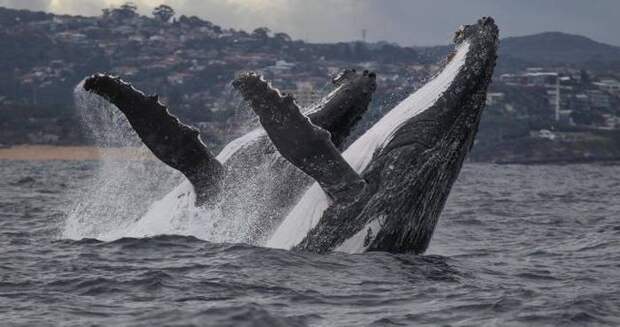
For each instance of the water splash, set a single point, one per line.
(229, 220)
(122, 189)
(127, 198)
(132, 198)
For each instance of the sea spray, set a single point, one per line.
(121, 190)
(232, 219)
(127, 198)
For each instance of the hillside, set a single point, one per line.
(190, 62)
(555, 48)
(545, 50)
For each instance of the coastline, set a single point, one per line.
(93, 153)
(560, 161)
(71, 153)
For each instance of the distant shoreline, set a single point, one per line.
(93, 153)
(559, 161)
(71, 153)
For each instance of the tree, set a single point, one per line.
(126, 11)
(129, 7)
(283, 37)
(585, 77)
(163, 13)
(261, 32)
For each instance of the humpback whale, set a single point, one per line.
(385, 192)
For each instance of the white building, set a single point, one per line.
(609, 85)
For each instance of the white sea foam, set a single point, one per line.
(127, 198)
(307, 213)
(176, 214)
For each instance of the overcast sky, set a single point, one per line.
(408, 22)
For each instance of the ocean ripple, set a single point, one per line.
(516, 245)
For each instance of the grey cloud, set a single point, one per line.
(419, 22)
(26, 4)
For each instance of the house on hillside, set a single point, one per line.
(609, 85)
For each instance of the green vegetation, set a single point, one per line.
(190, 62)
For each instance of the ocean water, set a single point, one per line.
(515, 246)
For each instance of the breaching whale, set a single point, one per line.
(385, 192)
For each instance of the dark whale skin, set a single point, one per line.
(410, 178)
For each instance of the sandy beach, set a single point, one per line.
(41, 153)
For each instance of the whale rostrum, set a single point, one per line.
(385, 192)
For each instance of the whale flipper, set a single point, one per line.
(176, 144)
(304, 144)
(335, 114)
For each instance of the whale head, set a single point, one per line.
(409, 159)
(418, 163)
(349, 101)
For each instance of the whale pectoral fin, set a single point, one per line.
(176, 144)
(302, 143)
(342, 108)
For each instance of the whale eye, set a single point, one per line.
(460, 33)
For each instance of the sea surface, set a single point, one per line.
(515, 246)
